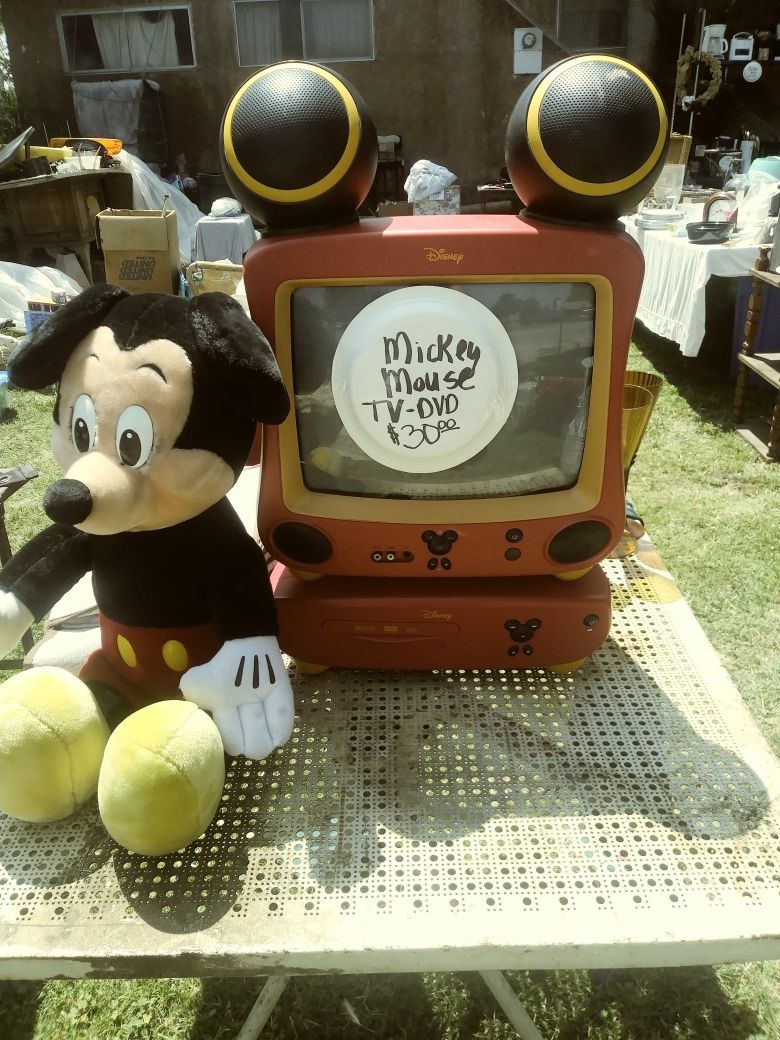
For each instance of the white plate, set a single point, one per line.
(662, 219)
(423, 378)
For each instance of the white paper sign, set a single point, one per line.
(424, 378)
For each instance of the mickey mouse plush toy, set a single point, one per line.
(156, 410)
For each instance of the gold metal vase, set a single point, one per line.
(640, 409)
(640, 394)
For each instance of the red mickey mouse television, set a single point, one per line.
(454, 445)
(457, 387)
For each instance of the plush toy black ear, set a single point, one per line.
(40, 358)
(238, 358)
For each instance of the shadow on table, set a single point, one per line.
(378, 764)
(374, 760)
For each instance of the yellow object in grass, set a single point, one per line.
(52, 739)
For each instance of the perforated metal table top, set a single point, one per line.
(623, 815)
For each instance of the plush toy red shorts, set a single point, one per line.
(145, 664)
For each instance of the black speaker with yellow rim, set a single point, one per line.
(298, 147)
(586, 139)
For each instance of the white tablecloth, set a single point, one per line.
(224, 238)
(676, 273)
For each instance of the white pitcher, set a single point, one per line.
(714, 40)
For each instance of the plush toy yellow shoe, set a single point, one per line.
(159, 776)
(162, 778)
(52, 739)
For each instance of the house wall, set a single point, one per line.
(428, 81)
(442, 77)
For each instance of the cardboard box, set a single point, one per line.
(447, 201)
(679, 148)
(140, 249)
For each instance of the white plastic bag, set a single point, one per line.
(426, 179)
(225, 207)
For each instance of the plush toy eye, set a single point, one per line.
(82, 424)
(134, 436)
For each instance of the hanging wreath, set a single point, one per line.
(685, 64)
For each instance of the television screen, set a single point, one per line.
(458, 390)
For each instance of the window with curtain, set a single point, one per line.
(319, 30)
(127, 40)
(259, 32)
(337, 30)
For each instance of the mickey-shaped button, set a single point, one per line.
(522, 631)
(439, 544)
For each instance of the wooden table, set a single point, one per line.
(624, 815)
(60, 209)
(672, 303)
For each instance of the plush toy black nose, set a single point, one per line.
(67, 502)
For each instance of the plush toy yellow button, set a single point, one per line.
(162, 778)
(52, 739)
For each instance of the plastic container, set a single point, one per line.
(668, 186)
(767, 164)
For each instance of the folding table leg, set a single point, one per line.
(510, 1005)
(263, 1006)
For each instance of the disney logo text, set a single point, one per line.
(435, 255)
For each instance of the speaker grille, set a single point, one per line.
(579, 541)
(598, 121)
(290, 128)
(302, 543)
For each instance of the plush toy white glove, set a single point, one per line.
(15, 619)
(246, 688)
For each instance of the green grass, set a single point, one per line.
(713, 508)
